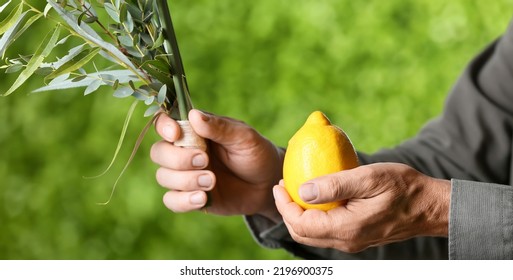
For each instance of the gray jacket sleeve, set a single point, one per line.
(471, 144)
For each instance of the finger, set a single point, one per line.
(167, 128)
(180, 202)
(289, 210)
(222, 130)
(169, 156)
(333, 187)
(185, 180)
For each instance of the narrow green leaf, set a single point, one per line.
(94, 86)
(121, 139)
(5, 5)
(151, 68)
(72, 66)
(10, 19)
(27, 25)
(124, 76)
(123, 92)
(60, 79)
(41, 53)
(47, 9)
(72, 54)
(90, 19)
(9, 34)
(90, 35)
(112, 11)
(79, 78)
(151, 110)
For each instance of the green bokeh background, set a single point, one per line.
(379, 69)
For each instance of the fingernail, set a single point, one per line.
(205, 180)
(197, 198)
(167, 131)
(199, 161)
(204, 117)
(308, 192)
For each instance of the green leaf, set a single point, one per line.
(121, 139)
(72, 65)
(129, 23)
(149, 100)
(14, 68)
(10, 33)
(162, 94)
(112, 11)
(94, 86)
(158, 43)
(10, 19)
(29, 22)
(90, 35)
(124, 76)
(126, 41)
(44, 71)
(123, 92)
(5, 5)
(41, 53)
(151, 110)
(47, 9)
(72, 54)
(153, 67)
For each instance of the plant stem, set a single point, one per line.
(171, 46)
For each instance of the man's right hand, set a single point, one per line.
(238, 171)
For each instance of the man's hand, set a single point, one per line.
(386, 202)
(237, 171)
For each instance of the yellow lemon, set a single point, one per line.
(318, 148)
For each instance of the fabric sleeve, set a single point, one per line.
(470, 143)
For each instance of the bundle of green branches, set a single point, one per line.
(136, 37)
(139, 41)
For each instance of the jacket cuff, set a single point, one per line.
(480, 221)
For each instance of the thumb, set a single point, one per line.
(338, 186)
(222, 130)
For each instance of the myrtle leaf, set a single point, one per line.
(14, 68)
(129, 23)
(37, 59)
(113, 12)
(123, 92)
(151, 110)
(162, 94)
(92, 87)
(149, 100)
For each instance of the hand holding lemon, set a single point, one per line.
(318, 148)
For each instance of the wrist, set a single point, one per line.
(436, 205)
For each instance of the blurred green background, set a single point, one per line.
(378, 69)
